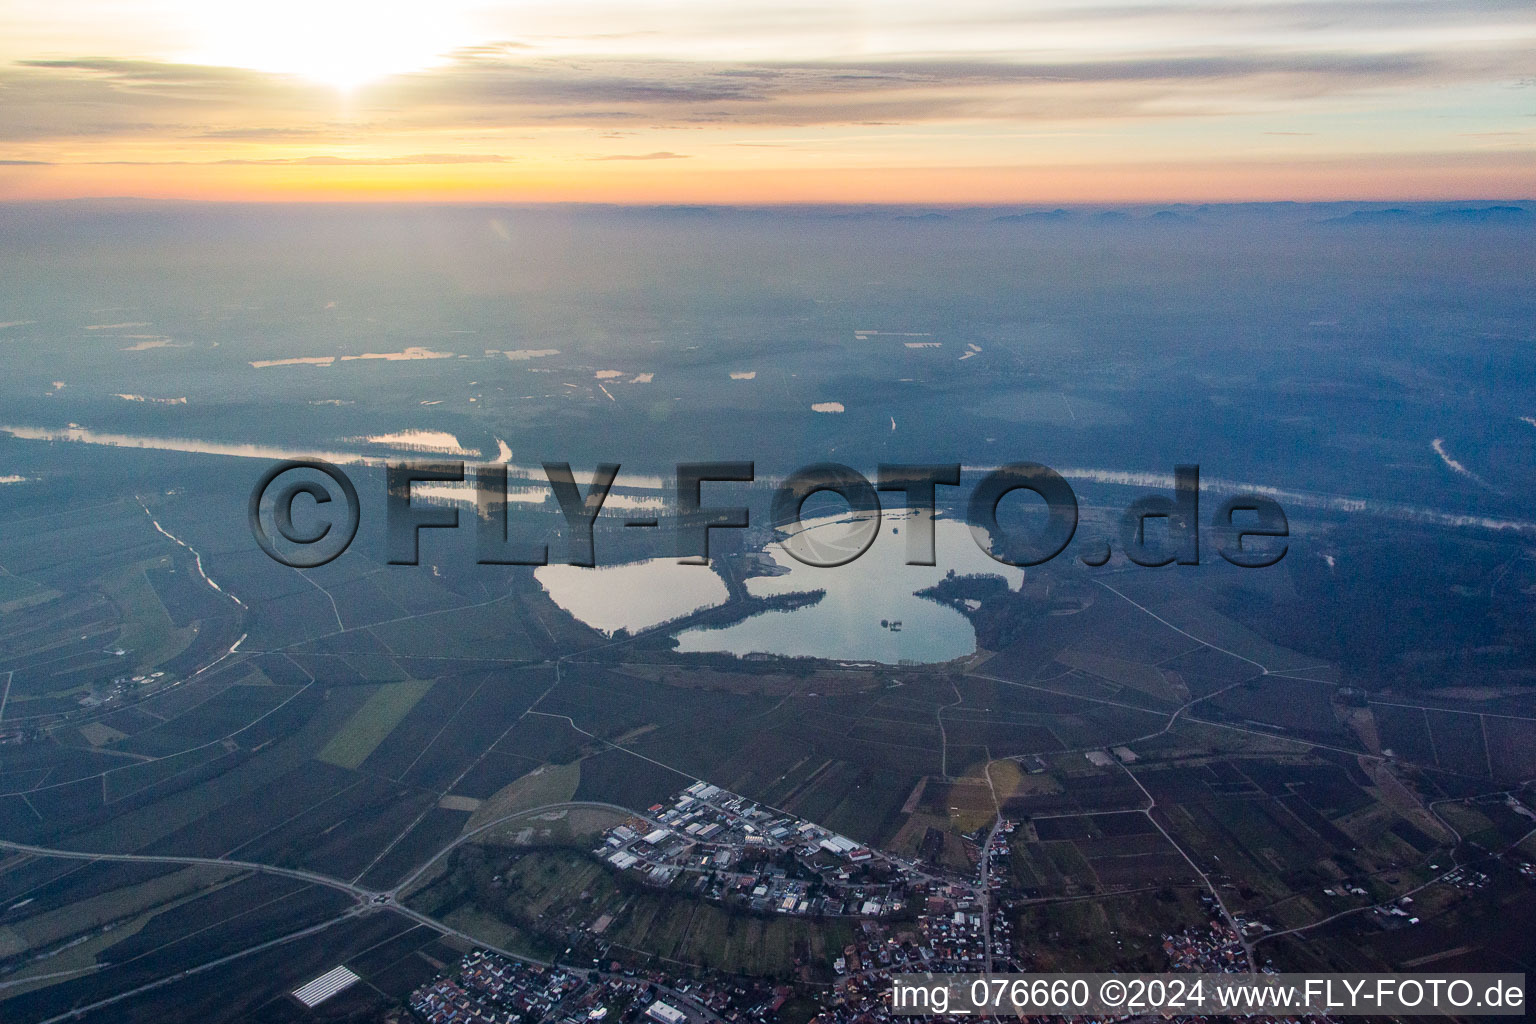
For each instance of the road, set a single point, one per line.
(986, 892)
(80, 1011)
(467, 836)
(314, 878)
(367, 901)
(1215, 894)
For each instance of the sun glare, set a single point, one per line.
(343, 43)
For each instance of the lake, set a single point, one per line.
(845, 624)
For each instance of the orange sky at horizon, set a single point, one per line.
(1322, 181)
(678, 101)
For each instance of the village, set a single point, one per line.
(489, 988)
(761, 860)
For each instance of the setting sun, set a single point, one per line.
(342, 43)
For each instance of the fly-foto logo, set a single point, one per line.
(1155, 530)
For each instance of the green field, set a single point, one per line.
(16, 592)
(546, 784)
(372, 722)
(148, 632)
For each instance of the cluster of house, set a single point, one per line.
(492, 989)
(952, 930)
(866, 969)
(756, 857)
(1214, 949)
(998, 852)
(872, 963)
(947, 938)
(950, 935)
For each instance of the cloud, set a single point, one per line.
(383, 161)
(274, 133)
(410, 160)
(501, 87)
(643, 156)
(1254, 16)
(101, 98)
(145, 72)
(494, 50)
(612, 91)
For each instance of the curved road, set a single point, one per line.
(368, 901)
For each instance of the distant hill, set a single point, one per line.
(1455, 215)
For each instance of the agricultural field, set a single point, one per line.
(339, 737)
(369, 724)
(551, 894)
(547, 784)
(1085, 934)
